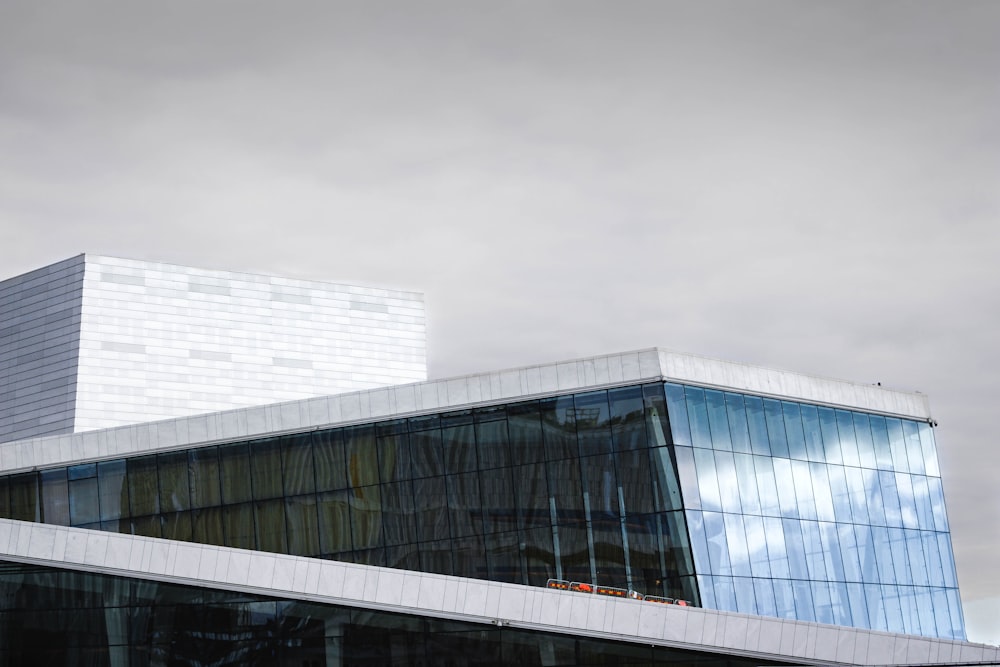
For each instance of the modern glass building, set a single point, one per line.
(753, 494)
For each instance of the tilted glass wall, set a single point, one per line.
(580, 487)
(814, 513)
(57, 617)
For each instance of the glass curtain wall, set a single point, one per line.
(580, 487)
(814, 513)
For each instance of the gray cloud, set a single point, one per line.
(806, 185)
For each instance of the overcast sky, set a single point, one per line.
(808, 185)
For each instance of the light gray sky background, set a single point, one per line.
(808, 185)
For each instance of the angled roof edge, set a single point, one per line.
(649, 365)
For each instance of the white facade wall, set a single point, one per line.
(154, 341)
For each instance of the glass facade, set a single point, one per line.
(735, 502)
(815, 513)
(55, 617)
(580, 487)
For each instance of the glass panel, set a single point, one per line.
(366, 517)
(465, 505)
(821, 491)
(757, 546)
(398, 514)
(269, 520)
(499, 510)
(813, 434)
(805, 609)
(851, 554)
(701, 434)
(813, 545)
(922, 500)
(566, 491)
(559, 428)
(718, 547)
(430, 503)
(776, 427)
(728, 486)
(234, 464)
(883, 555)
(525, 431)
(238, 523)
(767, 486)
(947, 560)
(929, 450)
(907, 504)
(688, 476)
(330, 460)
(831, 437)
(859, 605)
(917, 572)
(784, 598)
(936, 494)
(786, 487)
(764, 594)
(459, 449)
(176, 526)
(793, 430)
(708, 483)
(469, 556)
(914, 450)
(84, 506)
(303, 526)
(491, 439)
(718, 419)
(113, 486)
(204, 471)
(832, 553)
(55, 497)
(897, 445)
(822, 602)
(657, 423)
(873, 496)
(592, 417)
(866, 446)
(207, 526)
(699, 542)
(539, 558)
(633, 483)
(880, 438)
(334, 521)
(677, 409)
(393, 447)
(876, 608)
(739, 556)
(897, 545)
(175, 494)
(890, 499)
(725, 594)
(803, 490)
(848, 440)
(893, 609)
(856, 487)
(362, 455)
(144, 493)
(297, 464)
(866, 554)
(738, 429)
(795, 547)
(532, 495)
(757, 424)
(746, 478)
(841, 494)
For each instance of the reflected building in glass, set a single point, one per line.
(756, 493)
